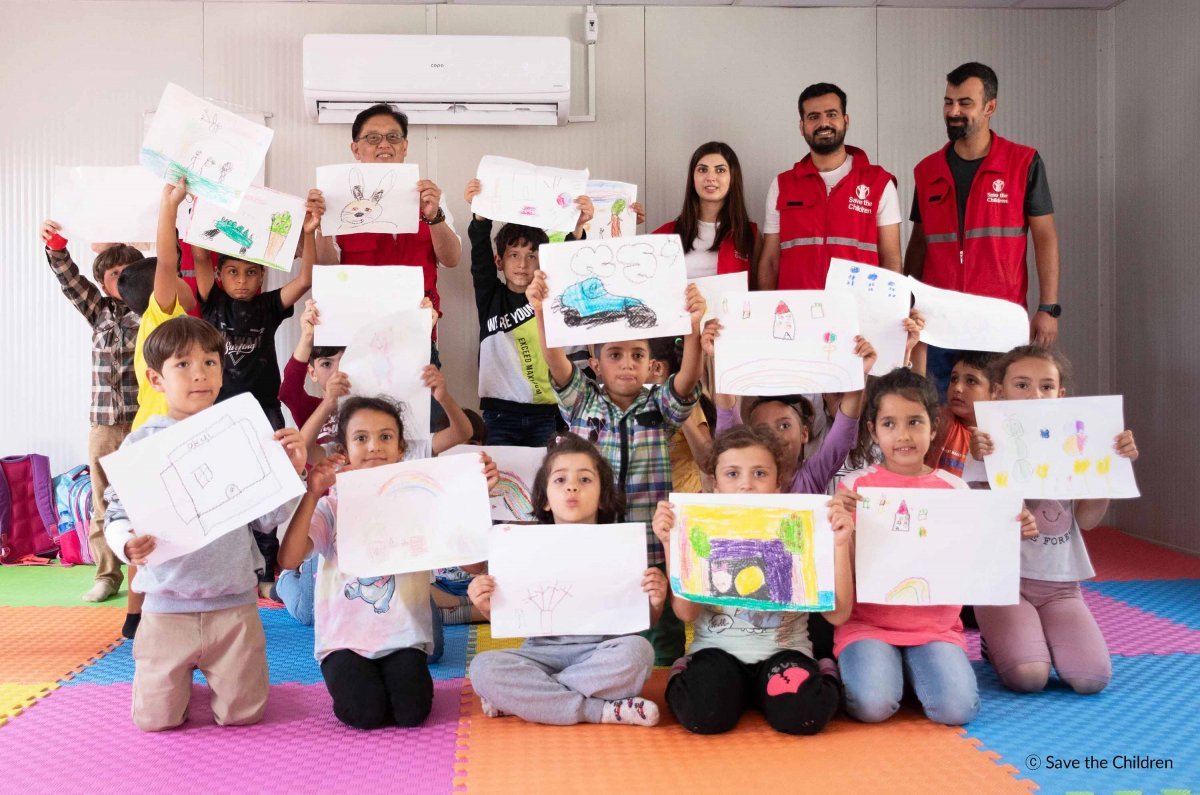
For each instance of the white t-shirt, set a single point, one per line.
(750, 635)
(700, 261)
(889, 203)
(1058, 553)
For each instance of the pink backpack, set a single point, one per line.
(28, 519)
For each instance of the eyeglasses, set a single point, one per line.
(374, 139)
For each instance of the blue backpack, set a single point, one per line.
(73, 502)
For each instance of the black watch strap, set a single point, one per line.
(1053, 310)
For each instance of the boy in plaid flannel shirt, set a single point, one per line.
(631, 425)
(114, 386)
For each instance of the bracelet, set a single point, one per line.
(437, 219)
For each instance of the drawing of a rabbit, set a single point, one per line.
(363, 214)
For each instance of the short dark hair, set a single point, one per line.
(740, 437)
(324, 352)
(985, 73)
(612, 499)
(977, 360)
(379, 109)
(907, 384)
(517, 235)
(176, 337)
(668, 350)
(115, 257)
(135, 285)
(358, 403)
(479, 431)
(820, 90)
(1001, 363)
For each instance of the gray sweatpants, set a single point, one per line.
(562, 683)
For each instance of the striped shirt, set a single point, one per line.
(114, 331)
(635, 441)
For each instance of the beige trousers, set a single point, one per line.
(102, 440)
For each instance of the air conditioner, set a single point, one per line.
(520, 80)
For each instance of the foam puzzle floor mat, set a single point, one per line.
(66, 678)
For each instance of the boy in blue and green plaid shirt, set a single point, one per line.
(631, 425)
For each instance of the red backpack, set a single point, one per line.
(28, 520)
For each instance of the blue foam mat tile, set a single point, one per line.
(1177, 600)
(1148, 710)
(289, 655)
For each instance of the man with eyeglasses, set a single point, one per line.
(380, 135)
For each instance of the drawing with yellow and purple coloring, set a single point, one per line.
(759, 552)
(511, 500)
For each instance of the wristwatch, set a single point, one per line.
(1053, 310)
(437, 219)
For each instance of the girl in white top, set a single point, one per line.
(1051, 625)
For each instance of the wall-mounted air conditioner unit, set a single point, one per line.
(439, 79)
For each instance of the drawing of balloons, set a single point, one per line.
(638, 262)
(1077, 441)
(1081, 465)
(830, 339)
(1104, 466)
(1001, 480)
(597, 261)
(564, 199)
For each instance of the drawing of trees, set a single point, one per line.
(546, 599)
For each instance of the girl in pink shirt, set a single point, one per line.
(881, 645)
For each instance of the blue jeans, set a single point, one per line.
(938, 364)
(523, 430)
(873, 674)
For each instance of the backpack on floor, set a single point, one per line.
(28, 520)
(73, 501)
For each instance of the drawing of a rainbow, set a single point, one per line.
(515, 493)
(411, 481)
(909, 591)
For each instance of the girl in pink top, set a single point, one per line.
(880, 645)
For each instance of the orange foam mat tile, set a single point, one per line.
(906, 754)
(46, 644)
(16, 698)
(1120, 556)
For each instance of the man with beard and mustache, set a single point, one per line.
(833, 203)
(975, 201)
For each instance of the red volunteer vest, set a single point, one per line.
(728, 259)
(414, 250)
(989, 258)
(816, 225)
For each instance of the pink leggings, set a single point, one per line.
(1051, 625)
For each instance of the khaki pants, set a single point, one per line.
(102, 440)
(228, 646)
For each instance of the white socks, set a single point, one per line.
(102, 590)
(491, 711)
(631, 712)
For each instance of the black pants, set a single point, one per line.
(395, 690)
(711, 693)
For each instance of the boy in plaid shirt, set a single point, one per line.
(114, 386)
(631, 425)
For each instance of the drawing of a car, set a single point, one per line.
(589, 303)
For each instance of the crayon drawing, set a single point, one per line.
(618, 290)
(218, 151)
(512, 499)
(1057, 449)
(758, 554)
(521, 193)
(378, 198)
(265, 228)
(612, 203)
(883, 299)
(784, 342)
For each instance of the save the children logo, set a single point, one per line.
(859, 202)
(997, 195)
(863, 191)
(998, 185)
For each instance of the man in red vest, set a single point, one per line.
(380, 135)
(833, 203)
(975, 201)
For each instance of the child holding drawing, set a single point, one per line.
(200, 608)
(373, 651)
(568, 679)
(741, 658)
(879, 645)
(1051, 625)
(630, 424)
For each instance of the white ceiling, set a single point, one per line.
(1092, 4)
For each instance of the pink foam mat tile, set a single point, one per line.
(298, 747)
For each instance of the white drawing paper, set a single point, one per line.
(1057, 449)
(883, 299)
(517, 192)
(937, 547)
(715, 289)
(101, 204)
(380, 198)
(386, 357)
(787, 342)
(218, 150)
(201, 478)
(762, 552)
(962, 321)
(412, 516)
(612, 204)
(512, 499)
(265, 227)
(613, 290)
(568, 579)
(350, 296)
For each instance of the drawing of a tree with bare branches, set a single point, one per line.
(546, 599)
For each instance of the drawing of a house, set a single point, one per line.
(903, 521)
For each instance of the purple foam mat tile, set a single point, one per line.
(1131, 631)
(298, 746)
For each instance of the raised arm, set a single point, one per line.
(447, 246)
(664, 520)
(297, 545)
(459, 431)
(294, 290)
(166, 273)
(692, 363)
(556, 359)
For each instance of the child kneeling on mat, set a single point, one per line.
(570, 679)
